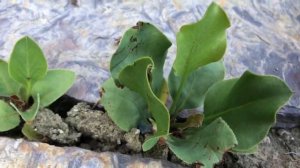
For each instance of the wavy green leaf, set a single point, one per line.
(27, 64)
(198, 83)
(248, 105)
(205, 144)
(199, 44)
(8, 86)
(139, 41)
(203, 42)
(135, 77)
(54, 85)
(9, 118)
(125, 107)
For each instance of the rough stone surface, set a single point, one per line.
(52, 126)
(21, 153)
(281, 148)
(94, 123)
(264, 36)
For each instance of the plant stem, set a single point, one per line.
(28, 91)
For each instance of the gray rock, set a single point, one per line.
(21, 153)
(281, 148)
(264, 36)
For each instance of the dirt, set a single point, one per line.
(87, 128)
(53, 127)
(92, 129)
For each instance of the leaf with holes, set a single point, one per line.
(139, 41)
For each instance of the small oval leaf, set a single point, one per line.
(27, 63)
(56, 83)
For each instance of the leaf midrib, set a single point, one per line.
(27, 66)
(208, 118)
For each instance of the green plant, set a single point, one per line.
(237, 113)
(26, 85)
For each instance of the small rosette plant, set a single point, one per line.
(26, 86)
(237, 113)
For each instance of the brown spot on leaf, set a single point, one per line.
(117, 41)
(138, 25)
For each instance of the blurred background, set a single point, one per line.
(82, 35)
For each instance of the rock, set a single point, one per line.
(21, 153)
(52, 126)
(281, 148)
(264, 37)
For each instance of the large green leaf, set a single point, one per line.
(196, 86)
(205, 144)
(9, 118)
(199, 44)
(139, 41)
(27, 63)
(248, 104)
(203, 42)
(55, 84)
(125, 107)
(135, 77)
(8, 86)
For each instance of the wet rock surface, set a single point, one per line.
(264, 36)
(20, 153)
